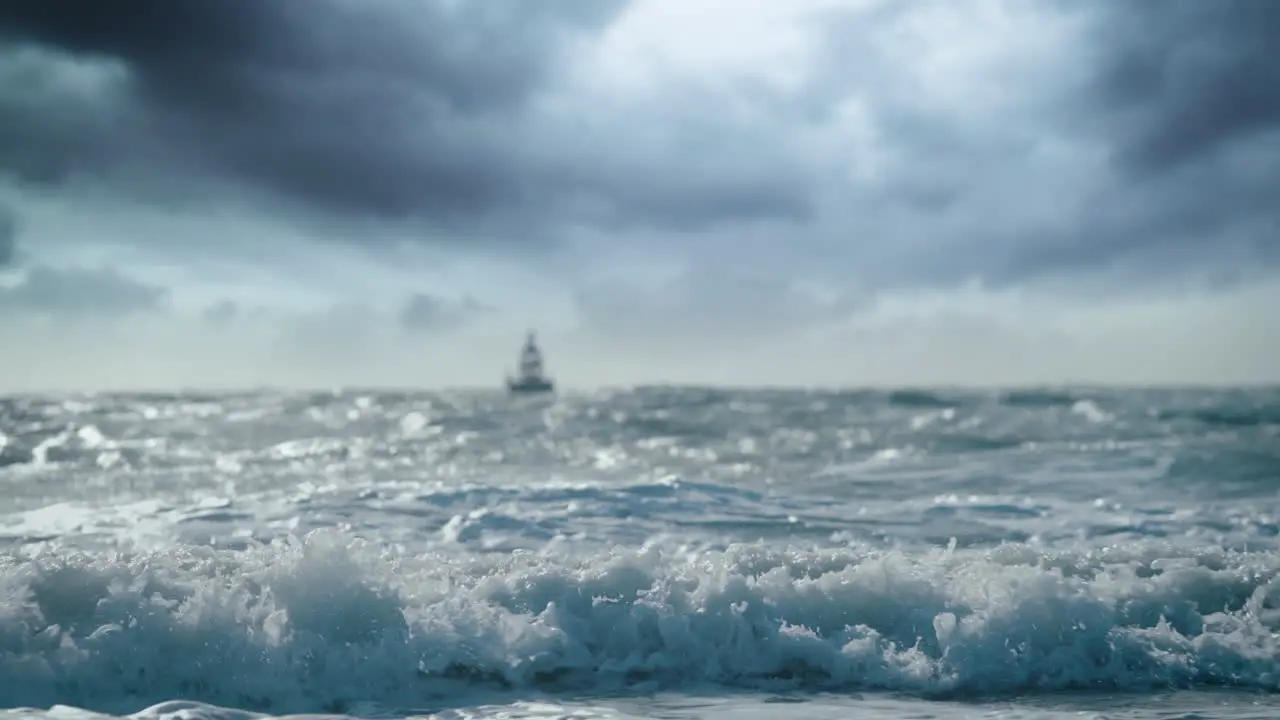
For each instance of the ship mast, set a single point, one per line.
(531, 358)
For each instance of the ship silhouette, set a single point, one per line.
(531, 378)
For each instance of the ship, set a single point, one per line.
(531, 379)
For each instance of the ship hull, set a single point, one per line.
(530, 387)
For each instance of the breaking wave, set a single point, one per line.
(326, 622)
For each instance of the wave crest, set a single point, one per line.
(320, 623)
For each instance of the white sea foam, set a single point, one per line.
(329, 621)
(660, 553)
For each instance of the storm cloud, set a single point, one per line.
(460, 116)
(702, 172)
(1185, 97)
(80, 292)
(8, 237)
(390, 109)
(1185, 81)
(425, 313)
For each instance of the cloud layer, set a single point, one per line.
(662, 175)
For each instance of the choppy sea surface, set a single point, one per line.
(647, 553)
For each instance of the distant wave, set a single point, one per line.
(1226, 417)
(326, 623)
(1037, 398)
(920, 399)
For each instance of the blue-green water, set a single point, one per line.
(661, 552)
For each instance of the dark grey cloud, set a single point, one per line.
(8, 237)
(68, 292)
(1180, 97)
(385, 109)
(80, 292)
(1186, 96)
(1184, 79)
(447, 113)
(420, 313)
(425, 313)
(331, 103)
(222, 313)
(1150, 158)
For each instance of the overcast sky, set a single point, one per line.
(816, 192)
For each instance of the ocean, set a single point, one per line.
(645, 553)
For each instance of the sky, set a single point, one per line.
(387, 193)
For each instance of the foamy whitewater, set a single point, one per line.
(652, 553)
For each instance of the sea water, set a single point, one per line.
(647, 553)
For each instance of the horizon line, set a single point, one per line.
(635, 387)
